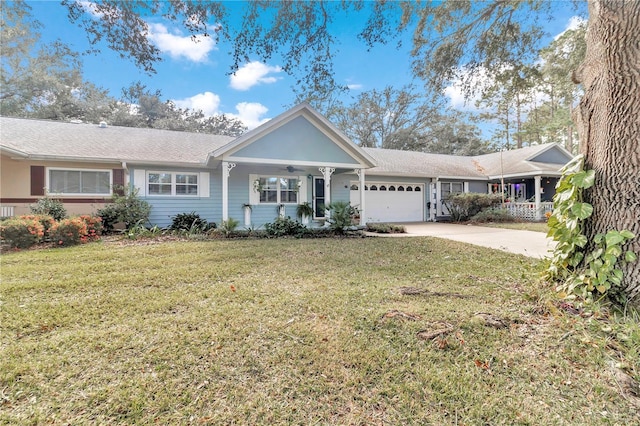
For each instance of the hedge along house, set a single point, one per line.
(298, 157)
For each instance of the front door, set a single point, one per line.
(318, 197)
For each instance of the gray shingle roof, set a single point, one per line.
(394, 162)
(514, 162)
(57, 139)
(89, 141)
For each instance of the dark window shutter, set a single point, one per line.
(118, 181)
(37, 180)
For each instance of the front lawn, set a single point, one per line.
(327, 331)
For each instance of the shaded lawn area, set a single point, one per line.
(293, 332)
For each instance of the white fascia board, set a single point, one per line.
(74, 159)
(13, 153)
(198, 165)
(464, 177)
(529, 174)
(271, 161)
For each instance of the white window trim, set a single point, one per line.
(78, 194)
(279, 200)
(173, 183)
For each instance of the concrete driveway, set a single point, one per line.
(528, 243)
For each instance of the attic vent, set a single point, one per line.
(103, 125)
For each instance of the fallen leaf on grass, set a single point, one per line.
(402, 315)
(438, 329)
(233, 288)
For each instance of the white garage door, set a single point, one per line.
(391, 202)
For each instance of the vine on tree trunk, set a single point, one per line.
(583, 268)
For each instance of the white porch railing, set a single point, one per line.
(527, 211)
(6, 211)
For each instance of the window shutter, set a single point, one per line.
(203, 184)
(254, 196)
(302, 193)
(117, 178)
(37, 180)
(139, 182)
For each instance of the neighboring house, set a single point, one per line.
(294, 158)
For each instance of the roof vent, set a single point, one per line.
(103, 125)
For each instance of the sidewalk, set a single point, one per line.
(528, 243)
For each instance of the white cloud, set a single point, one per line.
(177, 46)
(206, 102)
(354, 86)
(249, 113)
(456, 95)
(252, 74)
(574, 23)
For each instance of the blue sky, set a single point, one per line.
(194, 75)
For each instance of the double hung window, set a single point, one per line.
(172, 183)
(79, 182)
(278, 190)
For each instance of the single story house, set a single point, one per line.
(294, 158)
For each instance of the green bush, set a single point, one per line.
(128, 209)
(190, 222)
(493, 215)
(464, 206)
(341, 218)
(50, 207)
(386, 228)
(285, 226)
(227, 227)
(21, 233)
(69, 232)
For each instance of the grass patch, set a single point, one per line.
(323, 331)
(523, 226)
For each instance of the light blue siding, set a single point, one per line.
(553, 156)
(296, 140)
(164, 208)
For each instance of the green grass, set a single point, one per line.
(524, 226)
(297, 332)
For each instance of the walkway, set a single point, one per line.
(528, 243)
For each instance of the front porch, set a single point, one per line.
(526, 198)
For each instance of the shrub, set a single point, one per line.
(191, 222)
(94, 226)
(466, 205)
(50, 207)
(21, 233)
(69, 232)
(493, 215)
(386, 228)
(128, 209)
(46, 221)
(227, 227)
(110, 215)
(342, 216)
(285, 226)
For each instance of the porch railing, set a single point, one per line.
(6, 211)
(527, 211)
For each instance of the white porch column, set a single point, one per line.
(326, 173)
(226, 168)
(360, 173)
(537, 183)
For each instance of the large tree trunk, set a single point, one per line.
(608, 121)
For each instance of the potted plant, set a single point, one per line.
(304, 211)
